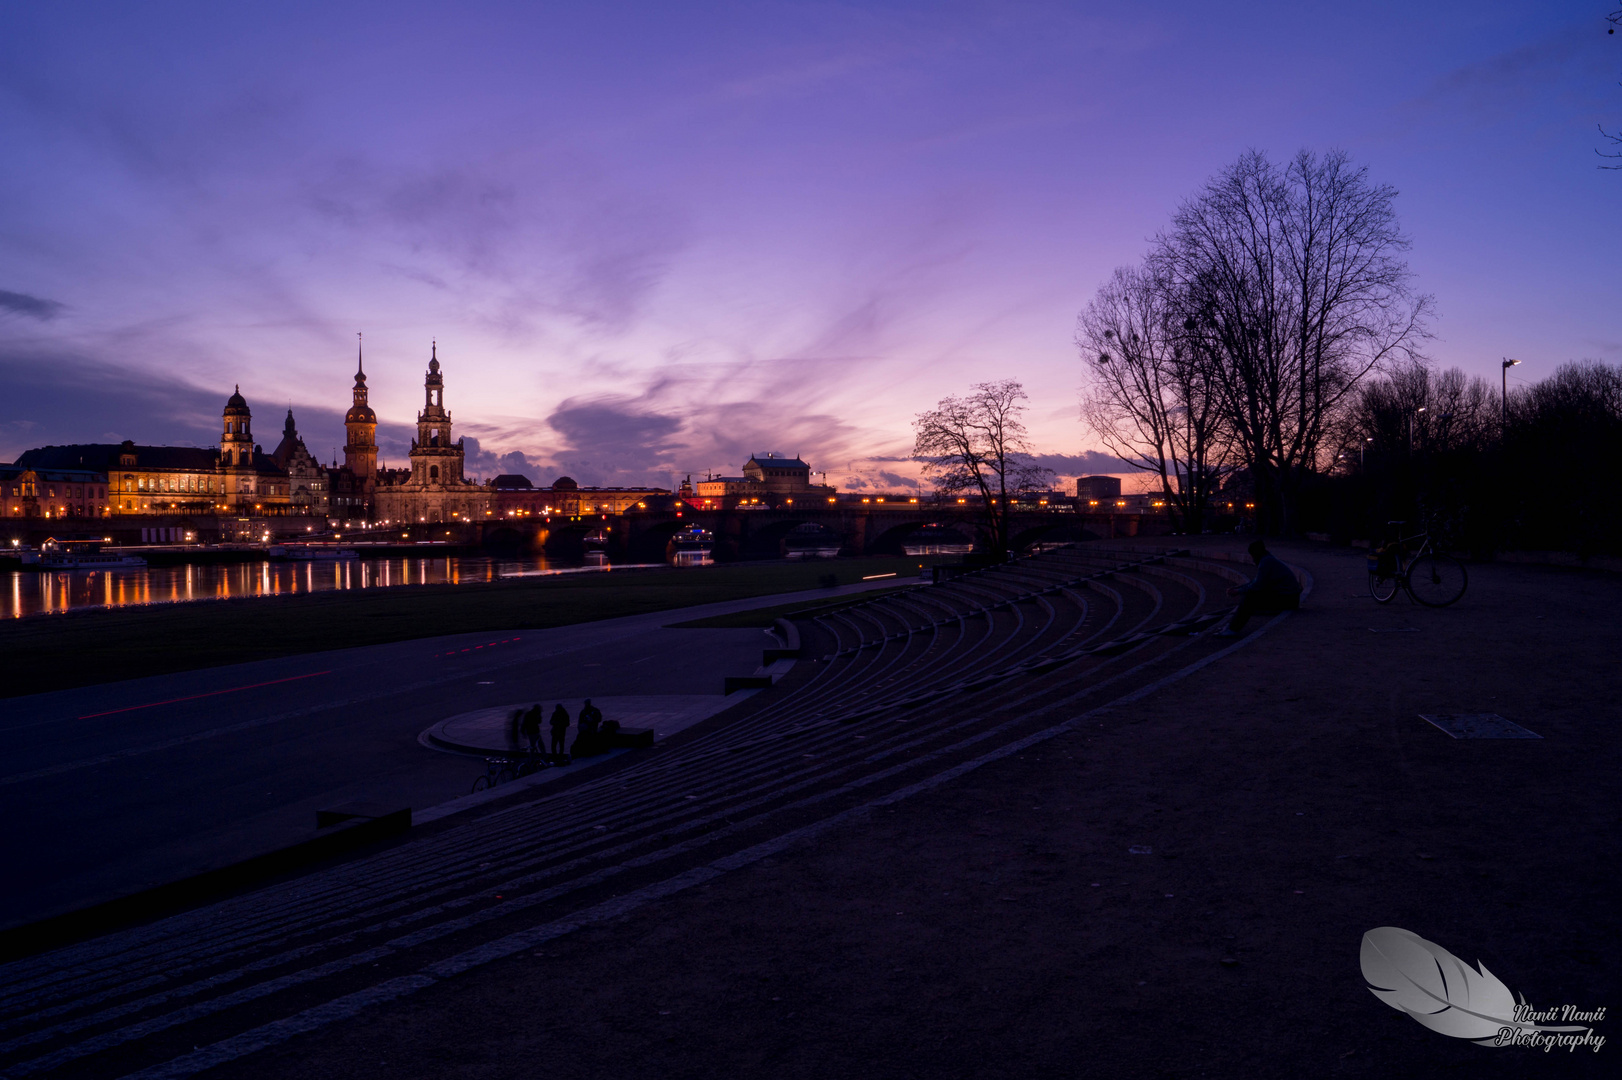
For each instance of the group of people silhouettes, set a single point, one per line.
(593, 736)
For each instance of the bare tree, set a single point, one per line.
(1413, 408)
(1295, 289)
(1615, 19)
(977, 443)
(1461, 413)
(1150, 396)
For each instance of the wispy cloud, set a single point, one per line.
(516, 237)
(70, 398)
(1518, 80)
(33, 307)
(58, 396)
(1087, 463)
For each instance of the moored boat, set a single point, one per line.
(54, 556)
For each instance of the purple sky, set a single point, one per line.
(652, 238)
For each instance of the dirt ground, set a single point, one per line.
(1000, 927)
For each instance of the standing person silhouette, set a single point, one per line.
(531, 728)
(560, 729)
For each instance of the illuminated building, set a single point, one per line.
(768, 478)
(238, 479)
(433, 489)
(52, 493)
(1098, 487)
(308, 482)
(515, 497)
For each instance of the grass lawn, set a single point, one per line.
(97, 645)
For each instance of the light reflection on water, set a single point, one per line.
(34, 593)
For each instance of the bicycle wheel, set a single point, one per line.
(1437, 580)
(1382, 587)
(480, 784)
(505, 776)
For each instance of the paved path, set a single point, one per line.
(138, 783)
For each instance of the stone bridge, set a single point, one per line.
(759, 533)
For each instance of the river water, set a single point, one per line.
(34, 592)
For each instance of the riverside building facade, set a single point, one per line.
(238, 480)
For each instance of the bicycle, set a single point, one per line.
(500, 770)
(1430, 577)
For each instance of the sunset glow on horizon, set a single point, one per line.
(651, 240)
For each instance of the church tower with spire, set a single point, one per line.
(360, 452)
(435, 460)
(435, 488)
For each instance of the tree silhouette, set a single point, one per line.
(977, 443)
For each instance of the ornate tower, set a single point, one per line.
(236, 452)
(435, 460)
(360, 452)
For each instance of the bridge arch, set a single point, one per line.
(510, 540)
(1051, 532)
(566, 539)
(769, 539)
(892, 541)
(651, 543)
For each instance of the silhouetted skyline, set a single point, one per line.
(653, 240)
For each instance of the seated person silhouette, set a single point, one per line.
(587, 742)
(1272, 590)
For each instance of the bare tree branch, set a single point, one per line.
(1150, 396)
(1615, 19)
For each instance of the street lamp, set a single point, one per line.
(1411, 416)
(1503, 389)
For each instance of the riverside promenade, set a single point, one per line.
(1024, 825)
(138, 783)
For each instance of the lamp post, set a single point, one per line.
(1411, 416)
(1503, 390)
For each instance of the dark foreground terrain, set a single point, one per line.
(1293, 800)
(1288, 798)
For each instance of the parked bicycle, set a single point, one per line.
(499, 770)
(1432, 578)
